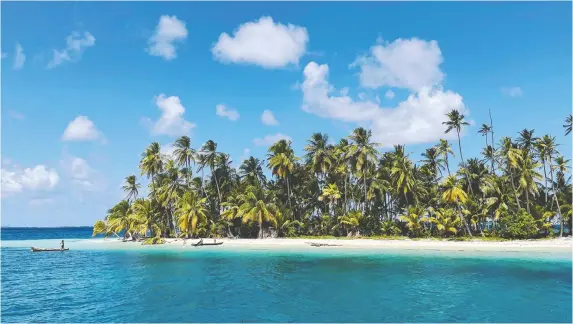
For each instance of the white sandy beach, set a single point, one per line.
(563, 244)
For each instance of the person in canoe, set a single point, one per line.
(62, 245)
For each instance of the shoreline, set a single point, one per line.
(557, 245)
(564, 244)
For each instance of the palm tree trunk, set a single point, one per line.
(448, 164)
(345, 199)
(288, 194)
(260, 228)
(217, 185)
(556, 200)
(514, 190)
(527, 201)
(468, 231)
(464, 164)
(545, 179)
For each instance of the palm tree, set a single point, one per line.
(318, 154)
(550, 148)
(445, 220)
(183, 153)
(342, 160)
(282, 162)
(489, 156)
(568, 123)
(434, 161)
(192, 210)
(143, 217)
(331, 194)
(456, 121)
(208, 158)
(352, 220)
(402, 173)
(151, 163)
(131, 187)
(527, 176)
(454, 194)
(510, 156)
(363, 153)
(118, 218)
(252, 171)
(484, 130)
(414, 219)
(444, 150)
(526, 140)
(255, 209)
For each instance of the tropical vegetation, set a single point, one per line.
(517, 188)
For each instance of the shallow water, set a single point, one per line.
(201, 285)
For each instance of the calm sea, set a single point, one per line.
(154, 285)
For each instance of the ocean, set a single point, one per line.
(212, 285)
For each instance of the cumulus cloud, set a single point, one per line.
(415, 120)
(168, 33)
(76, 44)
(19, 57)
(81, 129)
(230, 113)
(268, 118)
(404, 63)
(264, 43)
(32, 179)
(270, 139)
(389, 94)
(168, 150)
(171, 121)
(512, 91)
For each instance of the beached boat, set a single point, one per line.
(47, 250)
(203, 243)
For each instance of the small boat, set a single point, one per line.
(48, 250)
(202, 243)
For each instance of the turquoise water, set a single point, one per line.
(208, 285)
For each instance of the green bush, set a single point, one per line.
(520, 225)
(390, 227)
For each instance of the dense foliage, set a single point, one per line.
(515, 189)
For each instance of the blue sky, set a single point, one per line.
(87, 86)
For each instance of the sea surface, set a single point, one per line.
(217, 285)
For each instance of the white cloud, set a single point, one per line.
(167, 150)
(79, 168)
(389, 94)
(76, 43)
(268, 118)
(171, 121)
(16, 115)
(230, 113)
(246, 155)
(81, 129)
(404, 63)
(270, 139)
(38, 202)
(36, 178)
(512, 91)
(168, 32)
(19, 58)
(415, 120)
(264, 43)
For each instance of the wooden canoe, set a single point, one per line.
(48, 250)
(201, 244)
